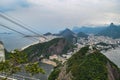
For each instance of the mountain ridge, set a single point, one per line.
(68, 35)
(112, 31)
(56, 46)
(88, 30)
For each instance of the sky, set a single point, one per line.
(55, 15)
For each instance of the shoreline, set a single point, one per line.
(113, 55)
(23, 48)
(36, 42)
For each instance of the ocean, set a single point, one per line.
(15, 41)
(114, 55)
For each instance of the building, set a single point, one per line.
(2, 52)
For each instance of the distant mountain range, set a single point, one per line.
(112, 31)
(71, 36)
(88, 30)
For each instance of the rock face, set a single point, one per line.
(63, 76)
(2, 52)
(56, 46)
(113, 74)
(84, 66)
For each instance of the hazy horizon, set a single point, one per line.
(56, 15)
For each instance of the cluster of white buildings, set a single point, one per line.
(95, 40)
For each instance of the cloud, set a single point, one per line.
(54, 15)
(10, 5)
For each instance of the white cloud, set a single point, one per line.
(58, 14)
(6, 3)
(9, 5)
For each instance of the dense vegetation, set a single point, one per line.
(7, 55)
(54, 74)
(17, 62)
(48, 48)
(91, 67)
(86, 65)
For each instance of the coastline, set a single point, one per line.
(29, 45)
(114, 55)
(36, 42)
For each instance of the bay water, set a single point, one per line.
(15, 41)
(114, 55)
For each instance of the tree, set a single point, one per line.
(18, 58)
(33, 68)
(17, 62)
(4, 67)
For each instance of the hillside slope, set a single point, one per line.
(57, 46)
(86, 65)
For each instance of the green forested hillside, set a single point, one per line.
(57, 46)
(86, 65)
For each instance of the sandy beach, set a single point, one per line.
(29, 45)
